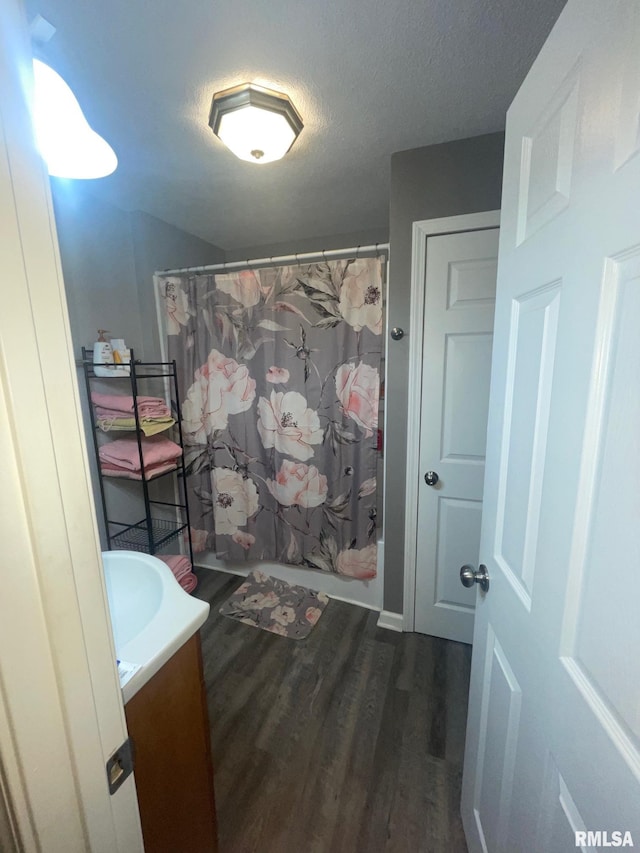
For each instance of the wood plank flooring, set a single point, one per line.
(350, 741)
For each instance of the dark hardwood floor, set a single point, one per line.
(350, 741)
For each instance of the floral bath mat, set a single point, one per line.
(276, 606)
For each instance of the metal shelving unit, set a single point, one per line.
(152, 533)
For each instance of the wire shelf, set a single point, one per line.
(148, 535)
(137, 537)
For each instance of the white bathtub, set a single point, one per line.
(151, 615)
(365, 593)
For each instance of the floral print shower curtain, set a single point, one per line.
(279, 371)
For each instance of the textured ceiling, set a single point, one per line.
(370, 77)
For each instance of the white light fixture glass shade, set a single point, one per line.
(256, 124)
(253, 130)
(68, 145)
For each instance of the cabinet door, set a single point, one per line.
(169, 726)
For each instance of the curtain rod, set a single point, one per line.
(301, 256)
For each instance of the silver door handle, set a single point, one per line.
(469, 576)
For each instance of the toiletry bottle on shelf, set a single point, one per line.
(102, 354)
(121, 356)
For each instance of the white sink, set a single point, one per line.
(151, 615)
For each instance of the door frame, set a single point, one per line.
(421, 231)
(61, 711)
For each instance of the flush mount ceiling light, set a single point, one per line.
(257, 124)
(68, 145)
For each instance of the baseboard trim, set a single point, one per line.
(354, 602)
(390, 620)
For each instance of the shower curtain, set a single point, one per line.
(279, 371)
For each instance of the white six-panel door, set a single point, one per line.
(459, 303)
(553, 739)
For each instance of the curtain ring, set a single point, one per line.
(324, 255)
(357, 252)
(377, 255)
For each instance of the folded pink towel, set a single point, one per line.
(115, 405)
(178, 563)
(181, 568)
(189, 582)
(150, 471)
(123, 452)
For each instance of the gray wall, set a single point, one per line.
(311, 244)
(464, 176)
(98, 266)
(108, 259)
(159, 246)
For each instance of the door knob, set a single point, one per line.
(431, 478)
(469, 576)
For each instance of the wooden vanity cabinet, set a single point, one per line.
(169, 726)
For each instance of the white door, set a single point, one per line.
(553, 737)
(459, 304)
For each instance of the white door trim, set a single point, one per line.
(421, 231)
(61, 713)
